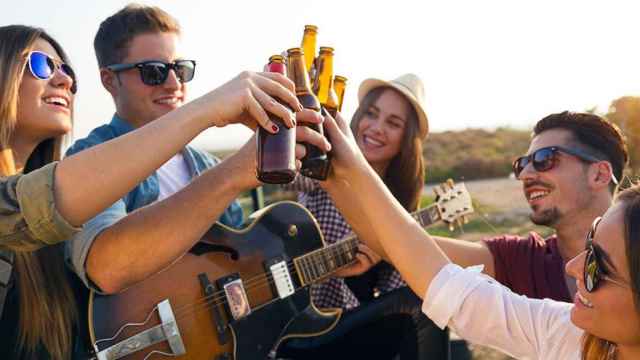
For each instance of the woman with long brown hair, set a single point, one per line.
(603, 323)
(44, 201)
(390, 126)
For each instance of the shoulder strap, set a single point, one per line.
(6, 268)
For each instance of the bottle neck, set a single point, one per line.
(309, 48)
(276, 67)
(324, 79)
(298, 74)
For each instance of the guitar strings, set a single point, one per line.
(257, 282)
(219, 298)
(249, 283)
(262, 279)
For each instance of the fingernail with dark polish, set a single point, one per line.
(275, 128)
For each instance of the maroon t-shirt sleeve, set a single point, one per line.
(529, 266)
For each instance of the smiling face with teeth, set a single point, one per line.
(609, 312)
(136, 102)
(381, 129)
(562, 193)
(44, 106)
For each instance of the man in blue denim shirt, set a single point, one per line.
(165, 215)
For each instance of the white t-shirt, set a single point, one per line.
(485, 312)
(173, 176)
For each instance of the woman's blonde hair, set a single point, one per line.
(48, 310)
(406, 171)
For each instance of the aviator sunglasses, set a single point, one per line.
(43, 66)
(593, 269)
(546, 158)
(154, 73)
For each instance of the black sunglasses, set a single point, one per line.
(154, 73)
(546, 158)
(593, 269)
(43, 66)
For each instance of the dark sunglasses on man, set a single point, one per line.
(43, 66)
(546, 158)
(593, 268)
(154, 72)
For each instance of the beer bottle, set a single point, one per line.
(276, 160)
(323, 86)
(339, 85)
(315, 164)
(309, 48)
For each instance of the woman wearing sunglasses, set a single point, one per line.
(46, 201)
(602, 323)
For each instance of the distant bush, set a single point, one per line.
(473, 153)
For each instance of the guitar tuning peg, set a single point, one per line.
(450, 183)
(451, 226)
(465, 219)
(459, 222)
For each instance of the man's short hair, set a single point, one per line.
(116, 32)
(592, 133)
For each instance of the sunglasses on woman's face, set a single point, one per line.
(593, 268)
(43, 66)
(154, 73)
(546, 158)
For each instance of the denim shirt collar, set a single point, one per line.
(120, 126)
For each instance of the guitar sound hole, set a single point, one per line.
(203, 248)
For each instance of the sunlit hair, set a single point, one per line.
(111, 43)
(48, 310)
(405, 174)
(594, 134)
(594, 348)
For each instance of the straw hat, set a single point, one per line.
(411, 87)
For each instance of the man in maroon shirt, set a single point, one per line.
(568, 178)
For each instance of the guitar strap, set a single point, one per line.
(6, 268)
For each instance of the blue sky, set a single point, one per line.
(484, 63)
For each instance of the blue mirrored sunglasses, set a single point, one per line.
(43, 66)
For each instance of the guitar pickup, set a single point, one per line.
(237, 301)
(282, 279)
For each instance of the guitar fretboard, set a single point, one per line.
(320, 263)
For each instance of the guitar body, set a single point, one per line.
(200, 306)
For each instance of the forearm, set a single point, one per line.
(84, 186)
(151, 238)
(383, 224)
(467, 253)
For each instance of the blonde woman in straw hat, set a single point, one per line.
(382, 316)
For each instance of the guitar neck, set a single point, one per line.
(321, 263)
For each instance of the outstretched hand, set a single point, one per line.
(247, 98)
(346, 155)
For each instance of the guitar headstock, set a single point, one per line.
(453, 202)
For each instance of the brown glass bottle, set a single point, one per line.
(340, 85)
(276, 160)
(316, 163)
(309, 49)
(323, 85)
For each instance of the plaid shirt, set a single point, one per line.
(334, 292)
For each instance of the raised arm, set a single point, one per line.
(84, 186)
(376, 216)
